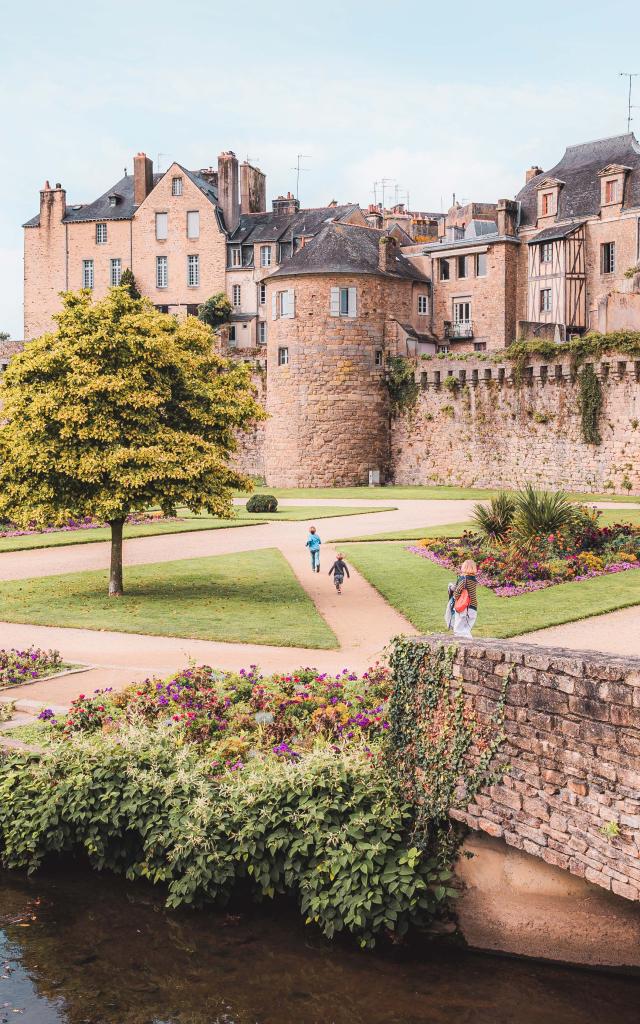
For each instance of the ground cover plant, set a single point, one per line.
(535, 540)
(245, 597)
(18, 667)
(209, 780)
(417, 588)
(151, 525)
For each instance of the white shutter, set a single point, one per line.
(291, 303)
(274, 307)
(162, 225)
(353, 302)
(335, 302)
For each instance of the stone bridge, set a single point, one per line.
(571, 794)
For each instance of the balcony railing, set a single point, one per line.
(458, 329)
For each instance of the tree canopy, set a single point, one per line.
(121, 408)
(215, 310)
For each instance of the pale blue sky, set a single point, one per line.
(439, 97)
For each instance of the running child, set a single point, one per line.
(339, 568)
(313, 543)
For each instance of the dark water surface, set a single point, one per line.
(86, 949)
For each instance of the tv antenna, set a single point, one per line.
(384, 182)
(297, 169)
(158, 160)
(630, 106)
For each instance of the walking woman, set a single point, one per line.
(465, 600)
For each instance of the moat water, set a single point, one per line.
(77, 948)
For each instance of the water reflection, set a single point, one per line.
(90, 950)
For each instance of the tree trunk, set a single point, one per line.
(115, 575)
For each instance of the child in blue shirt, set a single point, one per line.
(313, 543)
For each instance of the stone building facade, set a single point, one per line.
(335, 307)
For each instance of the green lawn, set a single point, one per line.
(187, 524)
(608, 517)
(247, 597)
(393, 493)
(418, 589)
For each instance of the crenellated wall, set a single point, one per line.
(494, 429)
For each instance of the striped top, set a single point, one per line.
(470, 583)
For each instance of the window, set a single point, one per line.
(608, 257)
(462, 266)
(232, 334)
(545, 300)
(236, 256)
(443, 348)
(462, 312)
(193, 224)
(283, 356)
(265, 255)
(547, 203)
(481, 264)
(283, 304)
(236, 295)
(423, 305)
(378, 357)
(262, 332)
(162, 272)
(192, 308)
(262, 293)
(101, 234)
(193, 271)
(611, 191)
(479, 346)
(445, 270)
(162, 226)
(546, 252)
(115, 273)
(87, 273)
(113, 200)
(176, 186)
(343, 302)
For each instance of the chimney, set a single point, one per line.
(387, 252)
(142, 177)
(286, 204)
(532, 173)
(228, 200)
(253, 189)
(507, 216)
(53, 204)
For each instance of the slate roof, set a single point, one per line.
(273, 227)
(551, 234)
(578, 169)
(100, 208)
(346, 249)
(433, 248)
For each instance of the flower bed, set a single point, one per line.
(85, 523)
(510, 569)
(18, 667)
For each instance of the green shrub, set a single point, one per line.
(541, 513)
(494, 520)
(330, 828)
(262, 503)
(590, 402)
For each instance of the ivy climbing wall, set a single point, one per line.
(565, 779)
(480, 423)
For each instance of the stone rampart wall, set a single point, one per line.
(493, 429)
(572, 721)
(249, 457)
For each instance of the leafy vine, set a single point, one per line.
(443, 756)
(590, 403)
(400, 381)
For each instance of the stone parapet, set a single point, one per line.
(571, 793)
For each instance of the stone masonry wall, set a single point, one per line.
(572, 724)
(249, 458)
(490, 431)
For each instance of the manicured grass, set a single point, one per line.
(609, 517)
(246, 597)
(443, 491)
(418, 589)
(188, 524)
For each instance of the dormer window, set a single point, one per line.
(114, 199)
(176, 186)
(611, 191)
(548, 196)
(547, 203)
(612, 178)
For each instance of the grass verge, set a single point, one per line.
(187, 524)
(246, 597)
(392, 493)
(418, 589)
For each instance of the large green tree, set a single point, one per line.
(119, 409)
(215, 310)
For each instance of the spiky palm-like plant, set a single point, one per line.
(494, 520)
(539, 514)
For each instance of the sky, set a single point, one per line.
(436, 97)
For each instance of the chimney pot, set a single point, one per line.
(47, 186)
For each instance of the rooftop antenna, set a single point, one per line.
(158, 160)
(297, 169)
(630, 107)
(375, 192)
(250, 160)
(384, 182)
